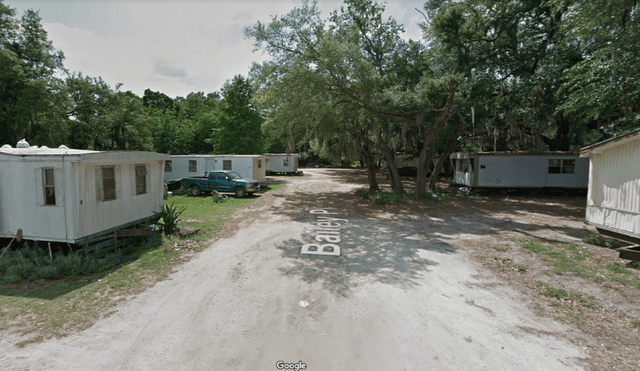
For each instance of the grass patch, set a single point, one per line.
(42, 308)
(499, 248)
(384, 198)
(572, 259)
(563, 258)
(562, 294)
(553, 292)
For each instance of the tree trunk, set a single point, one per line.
(394, 176)
(370, 164)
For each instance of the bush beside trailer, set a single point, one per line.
(186, 166)
(613, 199)
(69, 195)
(520, 170)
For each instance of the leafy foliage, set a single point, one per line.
(170, 217)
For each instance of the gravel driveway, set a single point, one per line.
(403, 294)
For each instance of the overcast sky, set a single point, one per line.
(172, 47)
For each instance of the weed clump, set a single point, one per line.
(596, 239)
(383, 198)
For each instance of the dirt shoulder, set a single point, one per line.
(590, 289)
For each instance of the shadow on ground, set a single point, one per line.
(392, 253)
(395, 243)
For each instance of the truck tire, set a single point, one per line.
(240, 192)
(195, 190)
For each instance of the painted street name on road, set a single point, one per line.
(326, 229)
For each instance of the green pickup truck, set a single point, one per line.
(221, 181)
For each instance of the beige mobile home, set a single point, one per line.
(520, 170)
(185, 166)
(613, 200)
(70, 195)
(282, 162)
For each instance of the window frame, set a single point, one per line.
(561, 166)
(227, 165)
(194, 168)
(168, 167)
(45, 186)
(104, 184)
(142, 177)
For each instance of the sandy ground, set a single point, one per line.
(404, 294)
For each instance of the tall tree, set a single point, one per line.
(238, 129)
(28, 83)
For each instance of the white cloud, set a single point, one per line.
(172, 47)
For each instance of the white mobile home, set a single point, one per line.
(282, 162)
(185, 166)
(520, 170)
(70, 195)
(613, 200)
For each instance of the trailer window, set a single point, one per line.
(285, 161)
(108, 183)
(259, 164)
(193, 167)
(141, 179)
(226, 165)
(49, 187)
(167, 166)
(562, 166)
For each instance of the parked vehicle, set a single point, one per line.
(221, 181)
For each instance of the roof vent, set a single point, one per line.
(22, 144)
(5, 146)
(62, 146)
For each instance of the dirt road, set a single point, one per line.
(402, 295)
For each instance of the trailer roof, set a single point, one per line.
(620, 139)
(44, 151)
(514, 154)
(211, 156)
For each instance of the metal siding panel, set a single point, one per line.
(616, 183)
(520, 171)
(127, 207)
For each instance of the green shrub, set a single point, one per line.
(596, 239)
(362, 192)
(169, 215)
(28, 263)
(383, 198)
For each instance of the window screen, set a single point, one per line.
(562, 166)
(226, 165)
(49, 187)
(141, 179)
(108, 183)
(193, 167)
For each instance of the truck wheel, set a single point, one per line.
(195, 190)
(241, 192)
